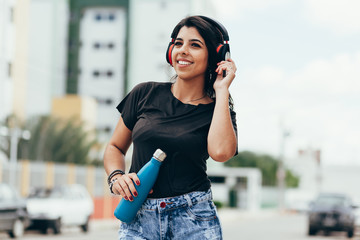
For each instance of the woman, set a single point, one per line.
(190, 120)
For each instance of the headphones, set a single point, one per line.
(223, 49)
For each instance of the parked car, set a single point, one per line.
(332, 212)
(357, 214)
(68, 205)
(13, 213)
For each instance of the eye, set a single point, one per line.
(178, 43)
(196, 45)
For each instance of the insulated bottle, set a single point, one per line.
(126, 210)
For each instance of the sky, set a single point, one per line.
(298, 72)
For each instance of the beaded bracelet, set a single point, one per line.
(113, 173)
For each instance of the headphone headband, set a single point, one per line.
(217, 25)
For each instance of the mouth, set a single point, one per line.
(184, 63)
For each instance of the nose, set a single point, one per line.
(184, 50)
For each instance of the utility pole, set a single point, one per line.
(281, 172)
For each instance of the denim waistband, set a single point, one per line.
(189, 199)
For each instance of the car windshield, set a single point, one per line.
(46, 193)
(331, 200)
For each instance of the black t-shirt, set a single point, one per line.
(159, 120)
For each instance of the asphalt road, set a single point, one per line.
(237, 225)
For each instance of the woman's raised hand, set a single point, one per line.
(224, 82)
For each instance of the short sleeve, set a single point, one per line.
(129, 106)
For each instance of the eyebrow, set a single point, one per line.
(191, 40)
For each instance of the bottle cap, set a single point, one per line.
(159, 155)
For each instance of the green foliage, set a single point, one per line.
(218, 204)
(291, 180)
(56, 140)
(267, 164)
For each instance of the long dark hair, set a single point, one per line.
(212, 37)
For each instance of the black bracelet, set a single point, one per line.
(113, 173)
(111, 185)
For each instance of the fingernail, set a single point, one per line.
(135, 194)
(137, 182)
(126, 198)
(131, 198)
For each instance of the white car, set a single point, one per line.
(68, 205)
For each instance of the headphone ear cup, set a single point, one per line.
(223, 51)
(169, 52)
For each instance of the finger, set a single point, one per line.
(222, 70)
(126, 184)
(135, 178)
(117, 189)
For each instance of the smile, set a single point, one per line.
(184, 62)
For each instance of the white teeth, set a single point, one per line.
(184, 63)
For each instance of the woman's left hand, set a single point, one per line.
(221, 81)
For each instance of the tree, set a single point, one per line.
(267, 164)
(57, 140)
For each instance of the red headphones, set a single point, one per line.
(223, 49)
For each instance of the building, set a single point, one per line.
(316, 177)
(88, 48)
(7, 36)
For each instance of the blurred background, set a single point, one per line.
(66, 64)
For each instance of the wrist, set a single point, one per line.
(222, 92)
(113, 174)
(111, 184)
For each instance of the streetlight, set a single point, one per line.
(15, 135)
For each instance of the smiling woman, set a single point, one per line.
(190, 119)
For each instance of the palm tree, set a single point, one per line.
(56, 140)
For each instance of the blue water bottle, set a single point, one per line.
(126, 210)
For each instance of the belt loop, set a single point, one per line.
(188, 199)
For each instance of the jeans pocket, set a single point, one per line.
(202, 211)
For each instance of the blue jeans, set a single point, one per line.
(186, 217)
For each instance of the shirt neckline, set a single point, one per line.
(186, 104)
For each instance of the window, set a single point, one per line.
(11, 15)
(111, 17)
(109, 73)
(98, 17)
(96, 73)
(97, 45)
(108, 101)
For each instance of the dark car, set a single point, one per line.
(332, 212)
(13, 212)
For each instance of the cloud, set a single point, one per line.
(319, 104)
(342, 17)
(232, 9)
(338, 76)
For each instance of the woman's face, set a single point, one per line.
(190, 54)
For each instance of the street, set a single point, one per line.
(271, 225)
(237, 225)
